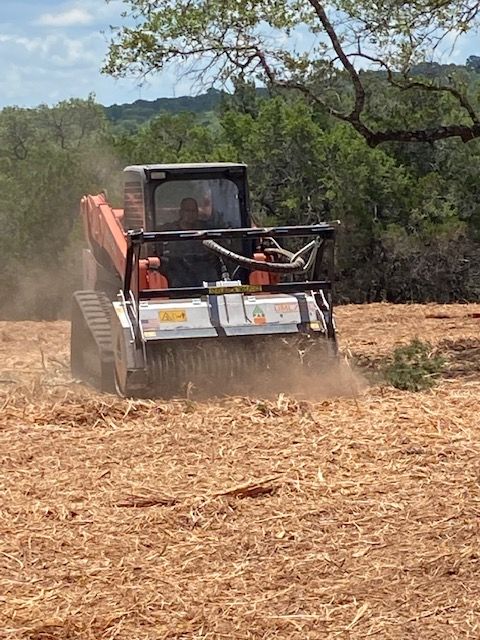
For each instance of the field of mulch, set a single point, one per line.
(345, 517)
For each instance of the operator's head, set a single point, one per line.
(188, 213)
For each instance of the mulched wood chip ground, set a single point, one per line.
(352, 517)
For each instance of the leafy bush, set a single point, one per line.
(414, 366)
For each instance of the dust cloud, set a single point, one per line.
(227, 367)
(39, 286)
(331, 379)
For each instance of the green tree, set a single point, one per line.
(265, 40)
(168, 138)
(49, 157)
(405, 221)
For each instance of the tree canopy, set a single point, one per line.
(410, 217)
(49, 157)
(308, 46)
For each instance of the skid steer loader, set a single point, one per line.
(181, 291)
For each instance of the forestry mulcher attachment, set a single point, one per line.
(181, 292)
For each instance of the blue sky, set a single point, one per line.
(52, 50)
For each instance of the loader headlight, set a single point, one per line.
(315, 326)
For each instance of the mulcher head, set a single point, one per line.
(269, 320)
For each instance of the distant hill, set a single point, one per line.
(130, 116)
(140, 111)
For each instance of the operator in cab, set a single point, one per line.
(188, 263)
(189, 217)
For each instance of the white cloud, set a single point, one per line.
(82, 13)
(74, 17)
(54, 50)
(57, 66)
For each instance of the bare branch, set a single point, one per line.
(355, 78)
(288, 84)
(464, 132)
(416, 84)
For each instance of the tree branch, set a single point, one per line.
(415, 84)
(464, 132)
(358, 87)
(288, 84)
(230, 37)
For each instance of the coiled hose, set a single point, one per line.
(297, 265)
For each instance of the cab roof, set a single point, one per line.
(188, 166)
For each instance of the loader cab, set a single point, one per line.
(155, 196)
(183, 197)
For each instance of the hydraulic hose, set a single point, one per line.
(295, 266)
(278, 251)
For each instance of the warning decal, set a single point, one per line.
(241, 288)
(259, 316)
(172, 315)
(289, 307)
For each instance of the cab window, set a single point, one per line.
(198, 203)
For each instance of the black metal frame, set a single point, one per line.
(196, 292)
(323, 230)
(136, 239)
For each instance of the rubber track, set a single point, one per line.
(95, 315)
